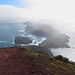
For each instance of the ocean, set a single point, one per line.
(67, 52)
(8, 32)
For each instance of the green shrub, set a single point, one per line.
(53, 64)
(22, 48)
(35, 60)
(61, 58)
(40, 52)
(51, 58)
(71, 62)
(47, 69)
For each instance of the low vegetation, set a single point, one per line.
(61, 58)
(57, 65)
(21, 61)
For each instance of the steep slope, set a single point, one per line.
(39, 49)
(20, 61)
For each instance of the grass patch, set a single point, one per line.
(22, 48)
(30, 53)
(54, 65)
(64, 69)
(50, 65)
(47, 69)
(35, 60)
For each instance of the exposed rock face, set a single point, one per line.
(41, 29)
(39, 49)
(54, 38)
(56, 42)
(22, 40)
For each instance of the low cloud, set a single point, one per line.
(10, 13)
(56, 11)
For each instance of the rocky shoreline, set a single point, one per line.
(55, 39)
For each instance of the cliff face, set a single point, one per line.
(54, 38)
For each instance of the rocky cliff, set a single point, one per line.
(54, 38)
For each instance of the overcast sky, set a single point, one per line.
(61, 12)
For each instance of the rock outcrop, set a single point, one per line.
(54, 38)
(22, 40)
(56, 42)
(39, 49)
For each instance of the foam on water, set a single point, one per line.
(36, 40)
(2, 41)
(21, 30)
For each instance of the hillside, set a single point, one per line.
(20, 61)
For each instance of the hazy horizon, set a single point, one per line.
(60, 14)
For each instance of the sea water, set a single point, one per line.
(8, 32)
(67, 52)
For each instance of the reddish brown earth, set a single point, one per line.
(20, 61)
(14, 62)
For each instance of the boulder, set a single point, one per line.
(22, 40)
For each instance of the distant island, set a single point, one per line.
(54, 38)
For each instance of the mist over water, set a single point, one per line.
(66, 52)
(68, 29)
(8, 33)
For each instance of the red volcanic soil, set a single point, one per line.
(14, 62)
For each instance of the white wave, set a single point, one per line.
(36, 40)
(2, 41)
(21, 30)
(13, 42)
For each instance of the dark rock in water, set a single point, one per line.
(40, 29)
(39, 33)
(22, 40)
(56, 42)
(35, 42)
(54, 38)
(39, 49)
